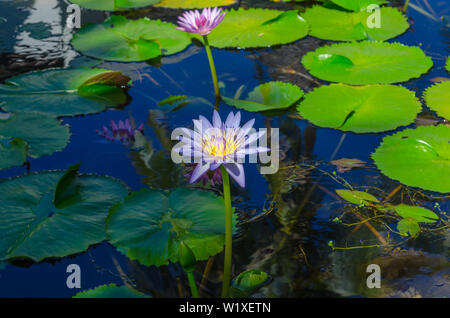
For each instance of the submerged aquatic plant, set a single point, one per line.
(222, 145)
(203, 23)
(123, 131)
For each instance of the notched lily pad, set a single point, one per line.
(13, 152)
(44, 135)
(360, 109)
(64, 92)
(149, 225)
(437, 98)
(120, 39)
(339, 25)
(268, 96)
(33, 227)
(417, 157)
(417, 213)
(367, 62)
(258, 28)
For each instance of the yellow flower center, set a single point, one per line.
(220, 146)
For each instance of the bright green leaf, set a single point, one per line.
(113, 5)
(416, 212)
(408, 225)
(357, 5)
(356, 197)
(361, 109)
(437, 98)
(367, 62)
(194, 4)
(111, 291)
(417, 157)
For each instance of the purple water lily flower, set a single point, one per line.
(215, 177)
(200, 23)
(122, 131)
(222, 143)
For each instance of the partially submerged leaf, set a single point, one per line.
(357, 197)
(417, 213)
(346, 164)
(357, 5)
(64, 92)
(67, 189)
(268, 96)
(13, 152)
(111, 291)
(437, 98)
(408, 226)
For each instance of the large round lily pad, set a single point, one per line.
(32, 227)
(361, 109)
(268, 96)
(113, 5)
(111, 291)
(339, 25)
(43, 134)
(367, 62)
(64, 92)
(194, 4)
(120, 39)
(357, 5)
(417, 157)
(13, 152)
(258, 28)
(149, 225)
(437, 98)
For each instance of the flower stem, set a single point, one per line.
(192, 284)
(228, 233)
(212, 66)
(405, 7)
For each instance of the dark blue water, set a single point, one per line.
(191, 76)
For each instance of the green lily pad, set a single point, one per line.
(13, 152)
(361, 109)
(408, 226)
(43, 134)
(417, 157)
(64, 92)
(120, 39)
(447, 64)
(356, 197)
(114, 5)
(416, 212)
(437, 98)
(111, 291)
(148, 226)
(338, 25)
(367, 62)
(268, 96)
(258, 28)
(194, 4)
(32, 227)
(357, 5)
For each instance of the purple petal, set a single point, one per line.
(217, 121)
(198, 172)
(236, 171)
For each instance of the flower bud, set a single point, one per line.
(186, 258)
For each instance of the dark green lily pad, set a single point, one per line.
(268, 96)
(13, 152)
(357, 197)
(339, 25)
(258, 28)
(357, 5)
(437, 98)
(43, 134)
(361, 109)
(111, 291)
(417, 157)
(32, 227)
(64, 92)
(149, 225)
(120, 39)
(114, 5)
(367, 62)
